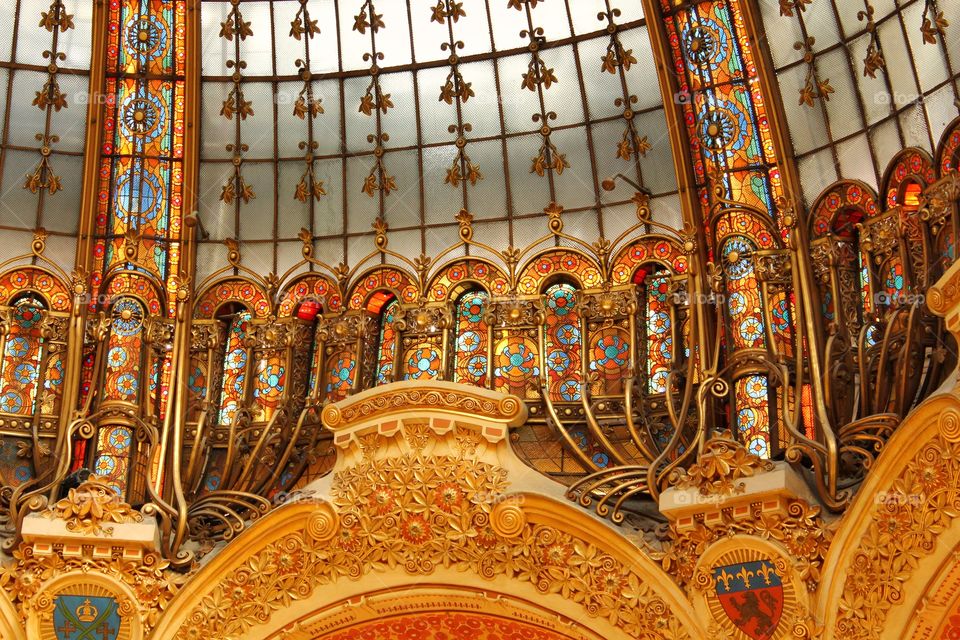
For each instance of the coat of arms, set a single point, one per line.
(751, 594)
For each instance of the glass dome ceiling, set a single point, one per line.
(326, 115)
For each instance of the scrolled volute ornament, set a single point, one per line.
(507, 518)
(323, 524)
(950, 425)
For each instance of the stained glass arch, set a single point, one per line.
(563, 342)
(471, 353)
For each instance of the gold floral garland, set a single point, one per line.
(24, 580)
(420, 513)
(906, 524)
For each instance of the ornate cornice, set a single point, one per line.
(31, 580)
(435, 397)
(418, 500)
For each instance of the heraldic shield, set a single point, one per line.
(86, 618)
(751, 594)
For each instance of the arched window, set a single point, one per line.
(656, 328)
(471, 355)
(20, 375)
(233, 385)
(564, 344)
(386, 305)
(854, 265)
(22, 355)
(121, 384)
(746, 331)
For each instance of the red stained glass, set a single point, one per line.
(910, 169)
(454, 276)
(386, 278)
(553, 263)
(663, 251)
(50, 288)
(949, 155)
(312, 288)
(387, 344)
(237, 291)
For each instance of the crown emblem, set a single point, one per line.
(86, 612)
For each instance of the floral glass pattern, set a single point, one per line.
(722, 102)
(563, 343)
(141, 162)
(125, 351)
(341, 375)
(472, 342)
(387, 344)
(659, 333)
(22, 354)
(234, 368)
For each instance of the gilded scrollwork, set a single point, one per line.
(26, 580)
(420, 512)
(907, 521)
(90, 506)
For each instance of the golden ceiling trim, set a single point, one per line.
(409, 503)
(436, 396)
(351, 613)
(898, 529)
(931, 614)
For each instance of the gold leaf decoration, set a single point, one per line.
(814, 87)
(302, 24)
(56, 18)
(873, 61)
(549, 158)
(933, 27)
(309, 186)
(363, 21)
(787, 7)
(235, 25)
(90, 505)
(423, 512)
(43, 177)
(538, 74)
(236, 186)
(724, 461)
(617, 58)
(903, 531)
(631, 143)
(26, 578)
